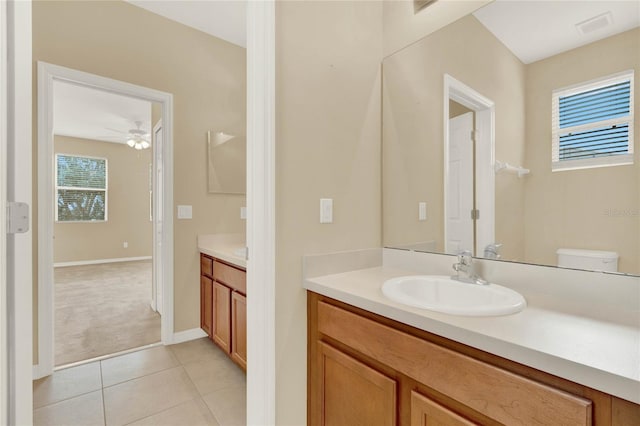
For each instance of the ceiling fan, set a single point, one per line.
(136, 138)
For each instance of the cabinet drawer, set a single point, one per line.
(230, 276)
(496, 393)
(206, 266)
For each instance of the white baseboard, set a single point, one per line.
(99, 261)
(186, 335)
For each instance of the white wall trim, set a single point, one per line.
(261, 360)
(47, 73)
(100, 261)
(187, 335)
(485, 159)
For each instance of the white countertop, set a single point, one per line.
(226, 247)
(548, 335)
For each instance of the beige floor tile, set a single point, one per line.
(192, 413)
(196, 350)
(67, 383)
(139, 398)
(228, 405)
(215, 373)
(84, 410)
(137, 364)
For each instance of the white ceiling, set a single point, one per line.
(225, 19)
(87, 113)
(534, 30)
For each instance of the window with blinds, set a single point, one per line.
(81, 189)
(593, 124)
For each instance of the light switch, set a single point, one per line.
(243, 212)
(185, 212)
(326, 210)
(422, 210)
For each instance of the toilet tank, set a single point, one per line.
(594, 260)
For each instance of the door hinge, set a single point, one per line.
(475, 214)
(17, 218)
(474, 135)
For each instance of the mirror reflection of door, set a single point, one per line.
(460, 192)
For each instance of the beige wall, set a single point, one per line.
(412, 151)
(402, 26)
(568, 208)
(327, 145)
(207, 77)
(127, 206)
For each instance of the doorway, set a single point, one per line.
(469, 179)
(155, 179)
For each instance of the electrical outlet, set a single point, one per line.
(125, 245)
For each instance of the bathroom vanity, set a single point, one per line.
(223, 295)
(559, 361)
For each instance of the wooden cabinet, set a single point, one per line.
(223, 313)
(436, 381)
(426, 412)
(239, 330)
(222, 316)
(352, 393)
(206, 301)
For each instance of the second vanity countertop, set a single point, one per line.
(226, 247)
(597, 346)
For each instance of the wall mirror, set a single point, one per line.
(511, 132)
(226, 163)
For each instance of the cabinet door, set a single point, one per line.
(222, 316)
(353, 393)
(425, 412)
(206, 295)
(239, 329)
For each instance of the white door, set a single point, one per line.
(459, 196)
(16, 248)
(158, 189)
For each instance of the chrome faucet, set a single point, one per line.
(465, 269)
(492, 251)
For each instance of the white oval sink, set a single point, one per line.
(440, 293)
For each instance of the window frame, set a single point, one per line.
(77, 188)
(588, 163)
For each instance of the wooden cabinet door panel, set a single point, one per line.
(222, 316)
(206, 299)
(352, 393)
(239, 329)
(206, 266)
(425, 412)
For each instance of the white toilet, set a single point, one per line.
(593, 260)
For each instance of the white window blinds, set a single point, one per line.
(81, 188)
(593, 124)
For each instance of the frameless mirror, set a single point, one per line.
(226, 163)
(510, 133)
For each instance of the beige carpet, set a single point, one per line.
(103, 309)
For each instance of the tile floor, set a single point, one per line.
(189, 384)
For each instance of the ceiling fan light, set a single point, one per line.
(145, 144)
(131, 142)
(138, 145)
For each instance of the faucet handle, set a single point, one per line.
(464, 257)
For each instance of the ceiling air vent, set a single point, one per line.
(594, 24)
(418, 5)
